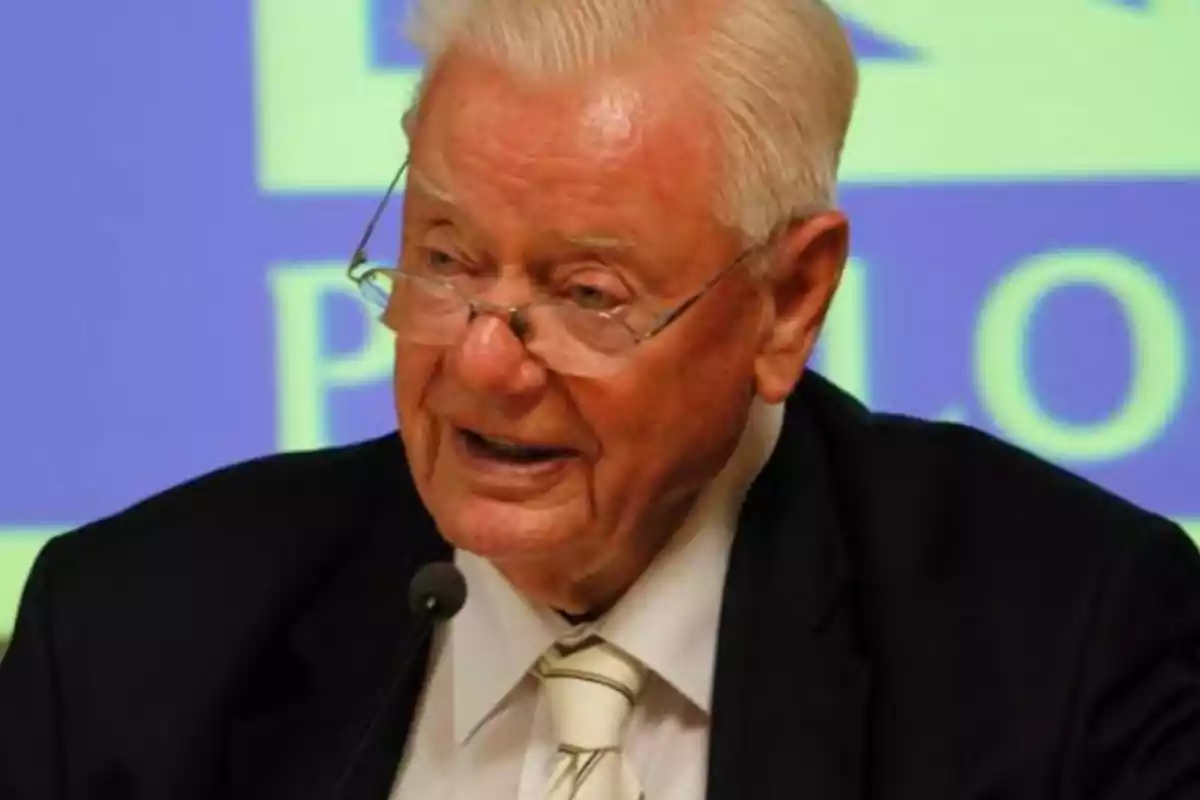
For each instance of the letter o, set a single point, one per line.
(1158, 349)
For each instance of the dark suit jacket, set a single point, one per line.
(912, 611)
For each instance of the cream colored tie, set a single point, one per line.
(591, 688)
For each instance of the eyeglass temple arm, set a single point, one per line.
(677, 312)
(672, 315)
(360, 252)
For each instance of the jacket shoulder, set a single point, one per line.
(951, 488)
(218, 550)
(973, 473)
(270, 502)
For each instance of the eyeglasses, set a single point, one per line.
(566, 337)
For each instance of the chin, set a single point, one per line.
(501, 531)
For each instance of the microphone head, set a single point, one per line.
(437, 590)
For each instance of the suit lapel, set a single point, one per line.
(790, 694)
(315, 693)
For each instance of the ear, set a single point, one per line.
(800, 283)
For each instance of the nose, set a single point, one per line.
(491, 360)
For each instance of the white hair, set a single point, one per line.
(780, 73)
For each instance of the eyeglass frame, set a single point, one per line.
(514, 316)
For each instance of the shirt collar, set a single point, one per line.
(493, 640)
(668, 619)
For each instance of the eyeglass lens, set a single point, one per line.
(567, 339)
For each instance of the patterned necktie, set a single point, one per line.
(591, 687)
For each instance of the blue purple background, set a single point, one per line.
(136, 321)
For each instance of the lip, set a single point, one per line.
(509, 440)
(458, 426)
(530, 476)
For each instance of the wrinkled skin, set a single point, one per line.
(603, 182)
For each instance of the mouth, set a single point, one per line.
(511, 453)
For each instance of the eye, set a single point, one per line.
(593, 298)
(440, 263)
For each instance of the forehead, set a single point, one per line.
(620, 150)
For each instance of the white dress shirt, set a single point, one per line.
(482, 728)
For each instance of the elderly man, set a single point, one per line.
(693, 569)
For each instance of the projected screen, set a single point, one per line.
(184, 181)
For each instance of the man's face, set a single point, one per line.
(599, 186)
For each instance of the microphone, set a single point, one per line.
(437, 591)
(435, 594)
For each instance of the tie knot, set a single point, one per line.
(591, 688)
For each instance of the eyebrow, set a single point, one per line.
(599, 243)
